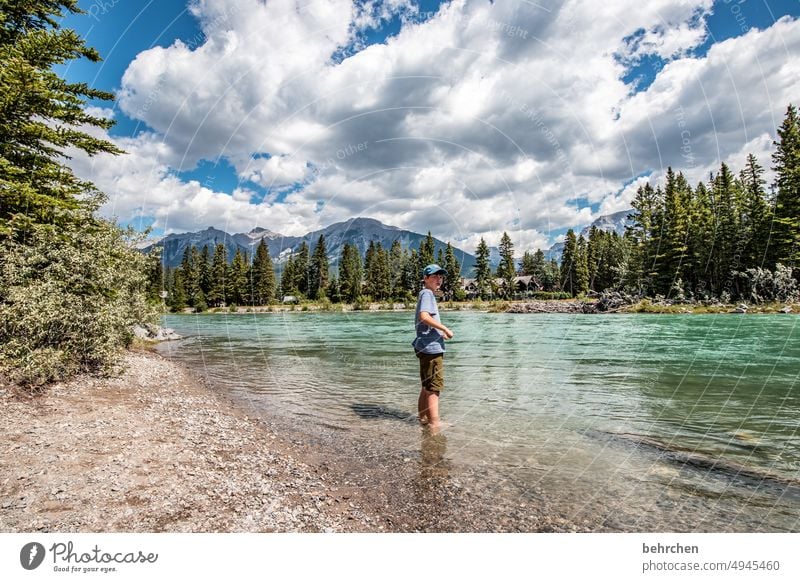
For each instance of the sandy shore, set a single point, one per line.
(155, 449)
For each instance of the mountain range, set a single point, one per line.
(357, 231)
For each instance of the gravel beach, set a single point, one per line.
(157, 450)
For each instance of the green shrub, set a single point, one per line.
(69, 301)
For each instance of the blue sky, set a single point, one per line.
(474, 117)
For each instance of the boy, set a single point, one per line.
(429, 345)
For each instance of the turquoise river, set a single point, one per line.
(621, 422)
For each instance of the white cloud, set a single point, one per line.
(484, 118)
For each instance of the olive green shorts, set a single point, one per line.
(431, 371)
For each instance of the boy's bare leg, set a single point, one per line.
(422, 405)
(432, 406)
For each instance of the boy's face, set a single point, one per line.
(434, 281)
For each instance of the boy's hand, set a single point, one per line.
(447, 333)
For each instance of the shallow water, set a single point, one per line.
(621, 422)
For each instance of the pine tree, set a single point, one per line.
(506, 270)
(300, 267)
(396, 269)
(483, 272)
(410, 275)
(178, 296)
(41, 117)
(569, 260)
(452, 283)
(217, 295)
(350, 273)
(71, 284)
(319, 270)
(727, 239)
(786, 160)
(237, 280)
(205, 271)
(581, 267)
(644, 234)
(673, 259)
(426, 250)
(263, 280)
(757, 217)
(288, 278)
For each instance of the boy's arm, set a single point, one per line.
(428, 319)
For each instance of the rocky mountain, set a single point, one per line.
(357, 231)
(616, 222)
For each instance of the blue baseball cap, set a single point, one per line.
(433, 269)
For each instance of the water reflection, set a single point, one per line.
(434, 469)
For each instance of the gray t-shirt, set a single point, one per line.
(429, 340)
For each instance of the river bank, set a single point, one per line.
(590, 305)
(158, 450)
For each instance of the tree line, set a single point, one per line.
(727, 238)
(206, 278)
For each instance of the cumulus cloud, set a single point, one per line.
(481, 118)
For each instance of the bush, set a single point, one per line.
(760, 285)
(69, 301)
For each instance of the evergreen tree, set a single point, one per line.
(673, 260)
(237, 281)
(41, 117)
(263, 279)
(410, 275)
(553, 277)
(300, 269)
(786, 160)
(483, 272)
(350, 273)
(178, 295)
(396, 269)
(217, 295)
(426, 251)
(414, 273)
(757, 219)
(71, 285)
(376, 268)
(594, 254)
(319, 270)
(452, 283)
(506, 270)
(569, 264)
(726, 239)
(581, 267)
(288, 278)
(700, 245)
(204, 268)
(155, 275)
(644, 235)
